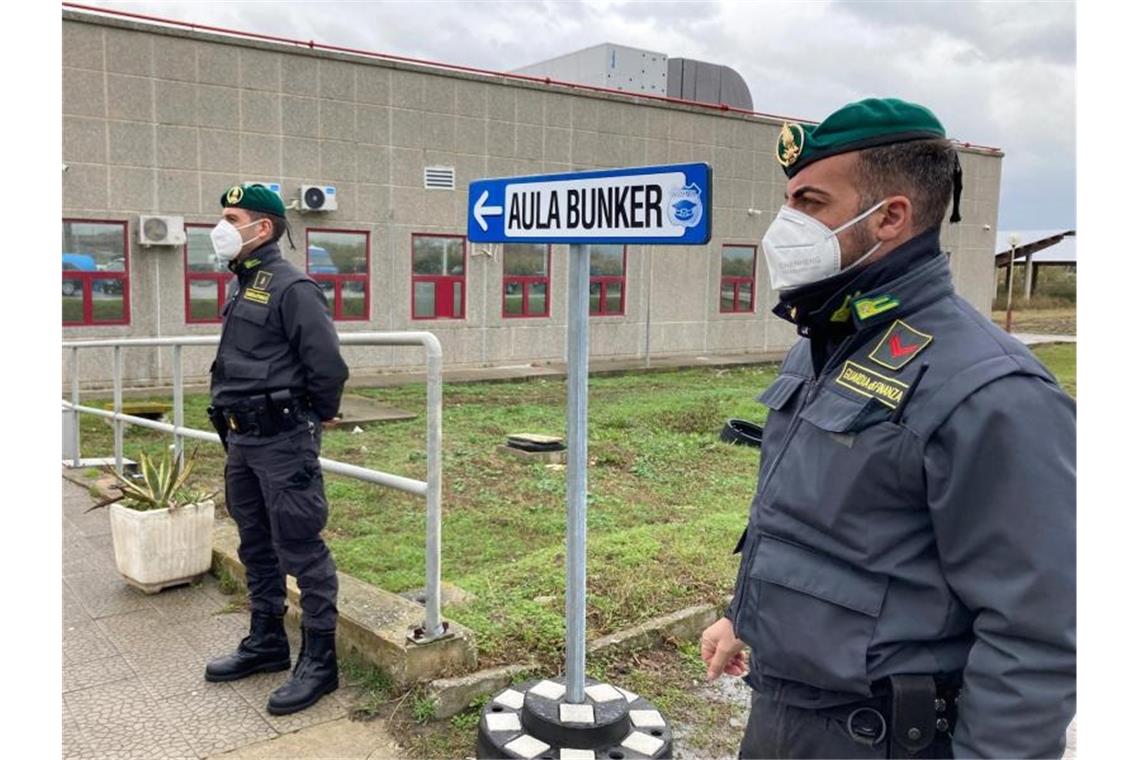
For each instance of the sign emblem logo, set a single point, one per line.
(685, 207)
(234, 195)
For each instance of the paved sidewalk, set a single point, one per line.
(1034, 339)
(133, 665)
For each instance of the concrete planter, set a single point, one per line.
(163, 547)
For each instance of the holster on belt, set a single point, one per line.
(912, 714)
(218, 420)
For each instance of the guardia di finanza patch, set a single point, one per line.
(869, 383)
(257, 296)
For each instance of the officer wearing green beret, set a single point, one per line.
(907, 577)
(277, 379)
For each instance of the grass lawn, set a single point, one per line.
(667, 502)
(1061, 359)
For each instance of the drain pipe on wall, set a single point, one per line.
(158, 315)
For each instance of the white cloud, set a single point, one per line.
(1000, 74)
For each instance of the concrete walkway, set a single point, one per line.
(1035, 339)
(133, 664)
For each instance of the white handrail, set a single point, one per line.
(431, 489)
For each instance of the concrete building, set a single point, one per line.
(161, 119)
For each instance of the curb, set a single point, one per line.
(454, 695)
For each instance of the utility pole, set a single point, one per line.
(1014, 240)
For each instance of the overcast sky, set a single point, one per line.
(996, 73)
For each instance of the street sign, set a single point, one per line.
(658, 205)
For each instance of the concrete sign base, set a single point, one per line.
(534, 720)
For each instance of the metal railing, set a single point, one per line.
(430, 489)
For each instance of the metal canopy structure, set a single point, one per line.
(1047, 247)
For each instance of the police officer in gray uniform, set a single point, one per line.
(907, 578)
(277, 377)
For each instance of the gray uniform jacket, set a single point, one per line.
(938, 542)
(277, 335)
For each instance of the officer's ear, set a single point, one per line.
(894, 219)
(265, 228)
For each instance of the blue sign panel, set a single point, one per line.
(658, 205)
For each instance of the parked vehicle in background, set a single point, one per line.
(77, 262)
(320, 262)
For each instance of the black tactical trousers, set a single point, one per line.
(276, 495)
(778, 730)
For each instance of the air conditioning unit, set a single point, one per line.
(161, 230)
(318, 198)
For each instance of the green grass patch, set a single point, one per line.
(667, 500)
(1061, 359)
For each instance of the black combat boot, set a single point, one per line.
(314, 676)
(264, 650)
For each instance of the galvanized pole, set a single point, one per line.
(176, 376)
(648, 303)
(118, 406)
(75, 401)
(577, 374)
(433, 628)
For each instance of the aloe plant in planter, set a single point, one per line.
(162, 532)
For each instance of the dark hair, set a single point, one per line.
(922, 170)
(280, 226)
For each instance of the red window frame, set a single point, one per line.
(443, 282)
(526, 281)
(735, 281)
(338, 280)
(88, 278)
(606, 280)
(220, 279)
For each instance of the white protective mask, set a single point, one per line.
(227, 240)
(801, 250)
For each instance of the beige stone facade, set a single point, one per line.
(159, 120)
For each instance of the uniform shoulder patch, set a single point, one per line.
(867, 382)
(261, 281)
(257, 296)
(899, 345)
(871, 307)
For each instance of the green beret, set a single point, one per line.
(866, 124)
(253, 197)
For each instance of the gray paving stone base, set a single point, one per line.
(133, 664)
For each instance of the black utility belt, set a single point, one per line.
(265, 414)
(909, 712)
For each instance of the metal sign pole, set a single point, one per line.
(574, 716)
(577, 379)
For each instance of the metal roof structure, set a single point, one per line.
(1047, 246)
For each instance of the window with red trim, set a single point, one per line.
(607, 280)
(206, 277)
(339, 262)
(526, 280)
(96, 273)
(439, 276)
(737, 278)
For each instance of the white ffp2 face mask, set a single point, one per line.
(801, 250)
(227, 240)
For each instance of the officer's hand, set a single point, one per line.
(329, 424)
(722, 651)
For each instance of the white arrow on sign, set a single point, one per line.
(482, 210)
